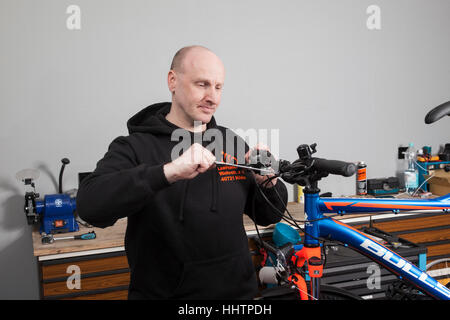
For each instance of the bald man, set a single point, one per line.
(185, 237)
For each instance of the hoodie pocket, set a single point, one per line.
(226, 277)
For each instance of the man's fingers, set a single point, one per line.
(193, 161)
(213, 166)
(247, 156)
(208, 162)
(263, 150)
(201, 157)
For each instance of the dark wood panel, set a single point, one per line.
(86, 267)
(413, 223)
(427, 236)
(87, 284)
(438, 250)
(113, 295)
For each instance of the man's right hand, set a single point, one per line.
(195, 160)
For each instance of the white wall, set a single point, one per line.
(311, 69)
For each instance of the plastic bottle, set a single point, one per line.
(411, 172)
(298, 194)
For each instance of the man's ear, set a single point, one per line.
(172, 81)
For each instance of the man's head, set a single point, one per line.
(195, 80)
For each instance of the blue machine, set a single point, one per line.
(56, 212)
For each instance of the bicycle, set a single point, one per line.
(295, 262)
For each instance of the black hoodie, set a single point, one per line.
(184, 240)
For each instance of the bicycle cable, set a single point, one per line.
(289, 220)
(325, 242)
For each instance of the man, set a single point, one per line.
(185, 237)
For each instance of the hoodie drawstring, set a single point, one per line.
(214, 188)
(183, 197)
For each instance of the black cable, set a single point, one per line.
(321, 240)
(290, 216)
(264, 184)
(285, 208)
(257, 230)
(281, 214)
(290, 220)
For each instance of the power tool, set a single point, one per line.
(55, 212)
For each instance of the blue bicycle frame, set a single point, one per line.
(318, 225)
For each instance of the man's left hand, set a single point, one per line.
(261, 179)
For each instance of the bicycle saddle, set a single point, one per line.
(438, 112)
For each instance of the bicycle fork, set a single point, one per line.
(311, 253)
(312, 257)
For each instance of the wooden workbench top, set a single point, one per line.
(112, 237)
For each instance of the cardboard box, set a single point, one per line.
(440, 183)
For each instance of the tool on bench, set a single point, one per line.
(55, 212)
(49, 238)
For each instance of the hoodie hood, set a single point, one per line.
(152, 119)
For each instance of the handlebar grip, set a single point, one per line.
(438, 112)
(337, 167)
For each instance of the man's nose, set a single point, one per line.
(212, 95)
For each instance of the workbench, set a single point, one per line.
(102, 262)
(103, 267)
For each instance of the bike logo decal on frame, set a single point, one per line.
(404, 265)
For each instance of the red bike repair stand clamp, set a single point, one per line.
(263, 252)
(300, 284)
(312, 257)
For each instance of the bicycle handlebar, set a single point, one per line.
(346, 169)
(315, 168)
(438, 112)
